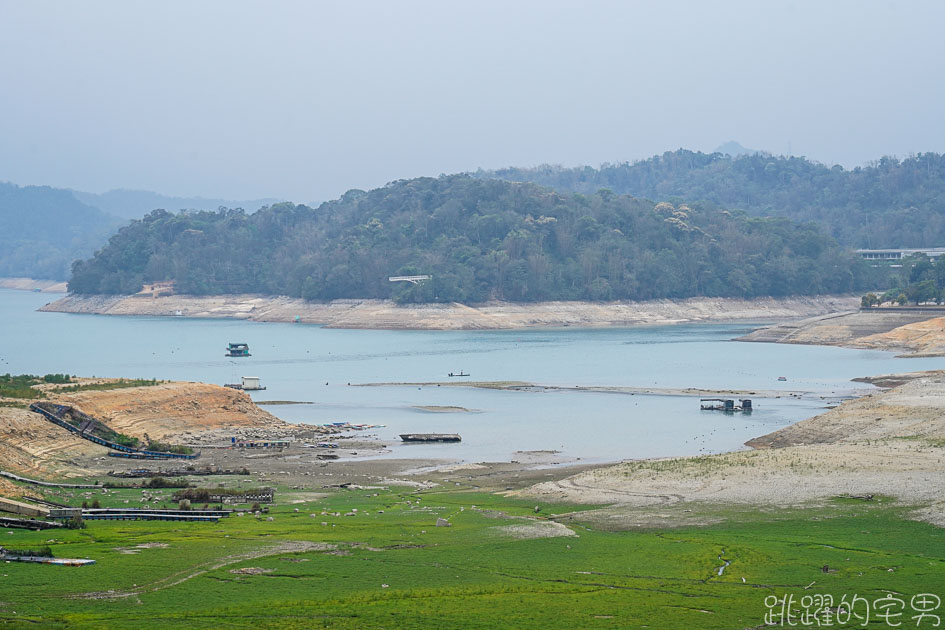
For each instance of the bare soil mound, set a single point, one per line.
(32, 446)
(170, 409)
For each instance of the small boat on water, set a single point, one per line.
(451, 374)
(430, 437)
(782, 378)
(238, 350)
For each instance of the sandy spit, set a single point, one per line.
(385, 314)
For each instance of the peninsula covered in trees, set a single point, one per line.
(890, 203)
(480, 239)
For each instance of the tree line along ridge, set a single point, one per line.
(480, 239)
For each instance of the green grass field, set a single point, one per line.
(389, 566)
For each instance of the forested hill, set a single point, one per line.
(479, 239)
(42, 230)
(892, 203)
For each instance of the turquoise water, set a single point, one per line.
(311, 363)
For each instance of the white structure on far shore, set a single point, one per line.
(899, 254)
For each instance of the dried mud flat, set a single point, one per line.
(385, 314)
(888, 443)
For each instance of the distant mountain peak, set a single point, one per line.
(734, 149)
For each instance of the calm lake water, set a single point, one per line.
(310, 363)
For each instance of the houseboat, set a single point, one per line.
(237, 350)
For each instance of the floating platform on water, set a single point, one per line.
(248, 384)
(430, 437)
(725, 404)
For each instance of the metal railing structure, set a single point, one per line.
(56, 418)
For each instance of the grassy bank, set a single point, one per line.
(388, 565)
(29, 386)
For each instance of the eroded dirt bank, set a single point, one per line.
(174, 409)
(915, 331)
(887, 443)
(454, 316)
(179, 412)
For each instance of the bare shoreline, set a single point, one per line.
(911, 331)
(888, 443)
(33, 284)
(385, 314)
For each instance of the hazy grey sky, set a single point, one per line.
(304, 100)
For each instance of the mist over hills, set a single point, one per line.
(134, 204)
(43, 229)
